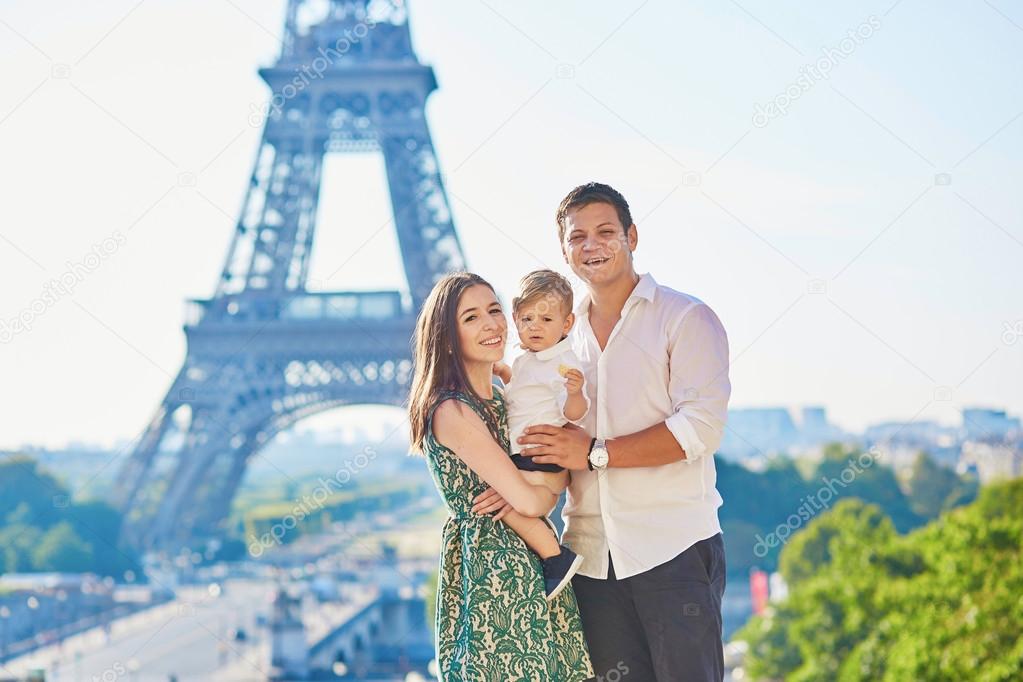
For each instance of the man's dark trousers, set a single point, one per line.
(662, 625)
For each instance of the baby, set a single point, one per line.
(544, 385)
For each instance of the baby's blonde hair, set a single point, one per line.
(544, 288)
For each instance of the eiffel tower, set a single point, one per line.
(264, 352)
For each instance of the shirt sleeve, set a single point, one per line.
(698, 381)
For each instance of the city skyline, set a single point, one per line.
(379, 426)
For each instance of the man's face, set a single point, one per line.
(595, 245)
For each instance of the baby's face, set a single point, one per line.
(542, 323)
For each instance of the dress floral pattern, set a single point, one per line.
(494, 623)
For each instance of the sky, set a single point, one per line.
(860, 239)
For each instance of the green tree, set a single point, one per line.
(756, 503)
(940, 603)
(99, 524)
(16, 543)
(816, 546)
(934, 488)
(37, 514)
(24, 484)
(867, 478)
(60, 549)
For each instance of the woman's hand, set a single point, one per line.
(490, 501)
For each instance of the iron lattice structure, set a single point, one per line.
(264, 352)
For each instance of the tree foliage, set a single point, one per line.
(759, 503)
(43, 529)
(866, 603)
(934, 488)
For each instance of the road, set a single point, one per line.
(188, 637)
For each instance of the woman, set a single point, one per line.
(493, 621)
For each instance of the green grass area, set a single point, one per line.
(316, 507)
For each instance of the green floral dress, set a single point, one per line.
(494, 623)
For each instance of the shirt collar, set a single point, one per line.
(557, 349)
(645, 288)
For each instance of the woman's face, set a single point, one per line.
(482, 326)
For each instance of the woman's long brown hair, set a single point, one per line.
(437, 352)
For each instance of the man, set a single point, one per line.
(642, 504)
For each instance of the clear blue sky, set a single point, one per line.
(104, 106)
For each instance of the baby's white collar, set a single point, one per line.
(555, 350)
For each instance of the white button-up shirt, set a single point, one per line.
(536, 393)
(666, 360)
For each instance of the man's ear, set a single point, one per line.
(632, 236)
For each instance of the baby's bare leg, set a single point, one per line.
(537, 535)
(555, 482)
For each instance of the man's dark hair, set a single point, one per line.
(593, 193)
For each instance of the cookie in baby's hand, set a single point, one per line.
(563, 370)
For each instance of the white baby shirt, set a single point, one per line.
(536, 393)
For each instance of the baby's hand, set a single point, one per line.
(503, 371)
(573, 381)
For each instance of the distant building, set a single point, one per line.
(815, 419)
(992, 461)
(988, 425)
(815, 430)
(755, 433)
(922, 433)
(991, 445)
(288, 650)
(900, 443)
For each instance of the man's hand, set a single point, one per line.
(567, 446)
(573, 381)
(490, 502)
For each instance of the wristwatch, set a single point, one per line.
(597, 461)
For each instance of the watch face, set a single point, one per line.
(599, 457)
